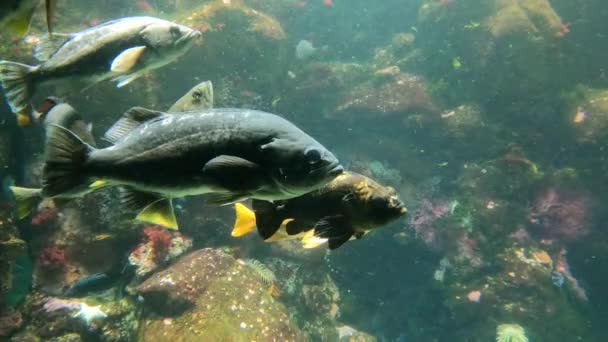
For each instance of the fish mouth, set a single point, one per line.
(336, 170)
(190, 36)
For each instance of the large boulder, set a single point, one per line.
(209, 295)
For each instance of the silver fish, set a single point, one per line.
(198, 98)
(121, 50)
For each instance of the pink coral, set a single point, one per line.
(45, 216)
(160, 239)
(425, 216)
(52, 258)
(561, 214)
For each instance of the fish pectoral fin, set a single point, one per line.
(130, 120)
(127, 59)
(224, 198)
(20, 23)
(49, 44)
(152, 207)
(245, 220)
(233, 173)
(334, 228)
(25, 200)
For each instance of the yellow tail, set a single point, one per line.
(245, 220)
(25, 200)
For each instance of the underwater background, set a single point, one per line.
(489, 118)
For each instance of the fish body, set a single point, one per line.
(121, 50)
(233, 154)
(348, 206)
(16, 15)
(198, 98)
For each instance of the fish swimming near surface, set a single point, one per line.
(348, 206)
(16, 15)
(229, 154)
(198, 98)
(120, 50)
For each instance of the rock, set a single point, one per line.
(10, 320)
(322, 299)
(210, 296)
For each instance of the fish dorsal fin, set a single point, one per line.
(152, 207)
(49, 44)
(132, 119)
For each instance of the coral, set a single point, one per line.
(525, 16)
(561, 213)
(510, 333)
(159, 239)
(159, 246)
(10, 320)
(423, 218)
(265, 274)
(52, 258)
(45, 216)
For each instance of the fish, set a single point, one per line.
(120, 50)
(198, 98)
(52, 112)
(16, 15)
(228, 154)
(347, 207)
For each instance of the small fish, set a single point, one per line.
(580, 115)
(229, 154)
(347, 207)
(93, 282)
(120, 50)
(198, 98)
(103, 236)
(16, 15)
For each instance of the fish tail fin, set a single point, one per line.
(268, 220)
(245, 220)
(65, 161)
(25, 200)
(17, 83)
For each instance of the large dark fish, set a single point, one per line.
(16, 15)
(348, 206)
(120, 50)
(231, 154)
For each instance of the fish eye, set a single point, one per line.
(197, 94)
(313, 156)
(175, 31)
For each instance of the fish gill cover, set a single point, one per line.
(486, 117)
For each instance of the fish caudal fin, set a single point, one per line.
(25, 200)
(245, 220)
(267, 218)
(16, 82)
(65, 160)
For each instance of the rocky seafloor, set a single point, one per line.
(488, 117)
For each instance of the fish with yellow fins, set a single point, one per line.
(347, 207)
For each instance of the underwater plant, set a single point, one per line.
(262, 271)
(510, 333)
